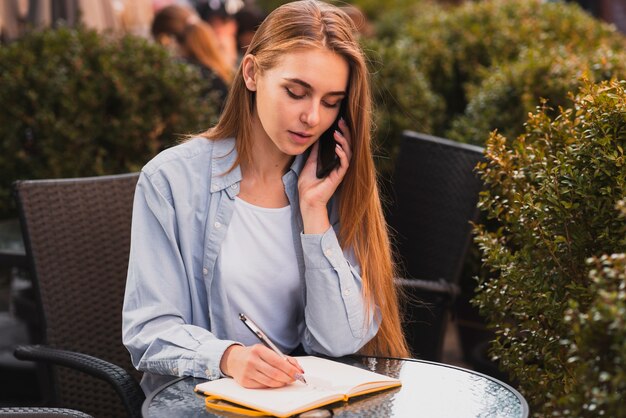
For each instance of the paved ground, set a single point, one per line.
(452, 349)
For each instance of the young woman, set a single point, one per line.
(237, 220)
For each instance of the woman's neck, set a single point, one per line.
(267, 162)
(262, 174)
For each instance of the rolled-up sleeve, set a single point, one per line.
(338, 321)
(157, 324)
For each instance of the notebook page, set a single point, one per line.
(340, 377)
(278, 401)
(327, 380)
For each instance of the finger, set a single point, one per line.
(261, 380)
(261, 374)
(277, 367)
(295, 363)
(343, 156)
(288, 365)
(272, 377)
(343, 142)
(343, 127)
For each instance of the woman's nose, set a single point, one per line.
(311, 115)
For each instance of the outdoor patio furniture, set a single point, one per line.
(77, 238)
(40, 412)
(434, 196)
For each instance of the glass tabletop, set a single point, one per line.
(12, 252)
(428, 389)
(11, 236)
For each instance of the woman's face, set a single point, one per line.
(299, 98)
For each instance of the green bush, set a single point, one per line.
(553, 191)
(395, 108)
(596, 350)
(76, 103)
(460, 51)
(461, 47)
(504, 99)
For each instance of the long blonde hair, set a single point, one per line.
(313, 24)
(202, 43)
(194, 36)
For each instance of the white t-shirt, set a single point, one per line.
(257, 269)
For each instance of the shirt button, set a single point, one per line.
(207, 372)
(328, 252)
(205, 271)
(217, 225)
(347, 292)
(214, 188)
(234, 186)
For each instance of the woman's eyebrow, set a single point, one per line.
(308, 86)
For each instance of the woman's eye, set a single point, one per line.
(294, 95)
(332, 105)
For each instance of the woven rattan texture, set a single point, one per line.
(435, 196)
(78, 233)
(435, 192)
(40, 412)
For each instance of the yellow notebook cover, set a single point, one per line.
(328, 382)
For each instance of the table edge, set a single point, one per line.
(523, 402)
(525, 407)
(146, 402)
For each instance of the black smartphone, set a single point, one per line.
(327, 159)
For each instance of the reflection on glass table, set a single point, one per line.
(428, 390)
(12, 252)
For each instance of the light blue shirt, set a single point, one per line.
(174, 318)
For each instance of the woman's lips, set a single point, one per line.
(300, 137)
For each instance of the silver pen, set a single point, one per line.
(266, 341)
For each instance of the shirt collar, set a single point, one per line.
(224, 156)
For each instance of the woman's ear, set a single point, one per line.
(249, 71)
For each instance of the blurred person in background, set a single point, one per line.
(185, 35)
(248, 20)
(220, 15)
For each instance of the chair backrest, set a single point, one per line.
(434, 196)
(77, 237)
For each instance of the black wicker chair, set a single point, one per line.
(434, 196)
(40, 412)
(77, 237)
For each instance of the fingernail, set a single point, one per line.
(337, 132)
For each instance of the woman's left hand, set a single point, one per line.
(315, 193)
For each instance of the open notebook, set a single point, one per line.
(328, 382)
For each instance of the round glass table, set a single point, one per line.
(428, 390)
(12, 252)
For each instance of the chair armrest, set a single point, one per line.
(438, 286)
(40, 411)
(124, 384)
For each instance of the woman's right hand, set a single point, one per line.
(258, 367)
